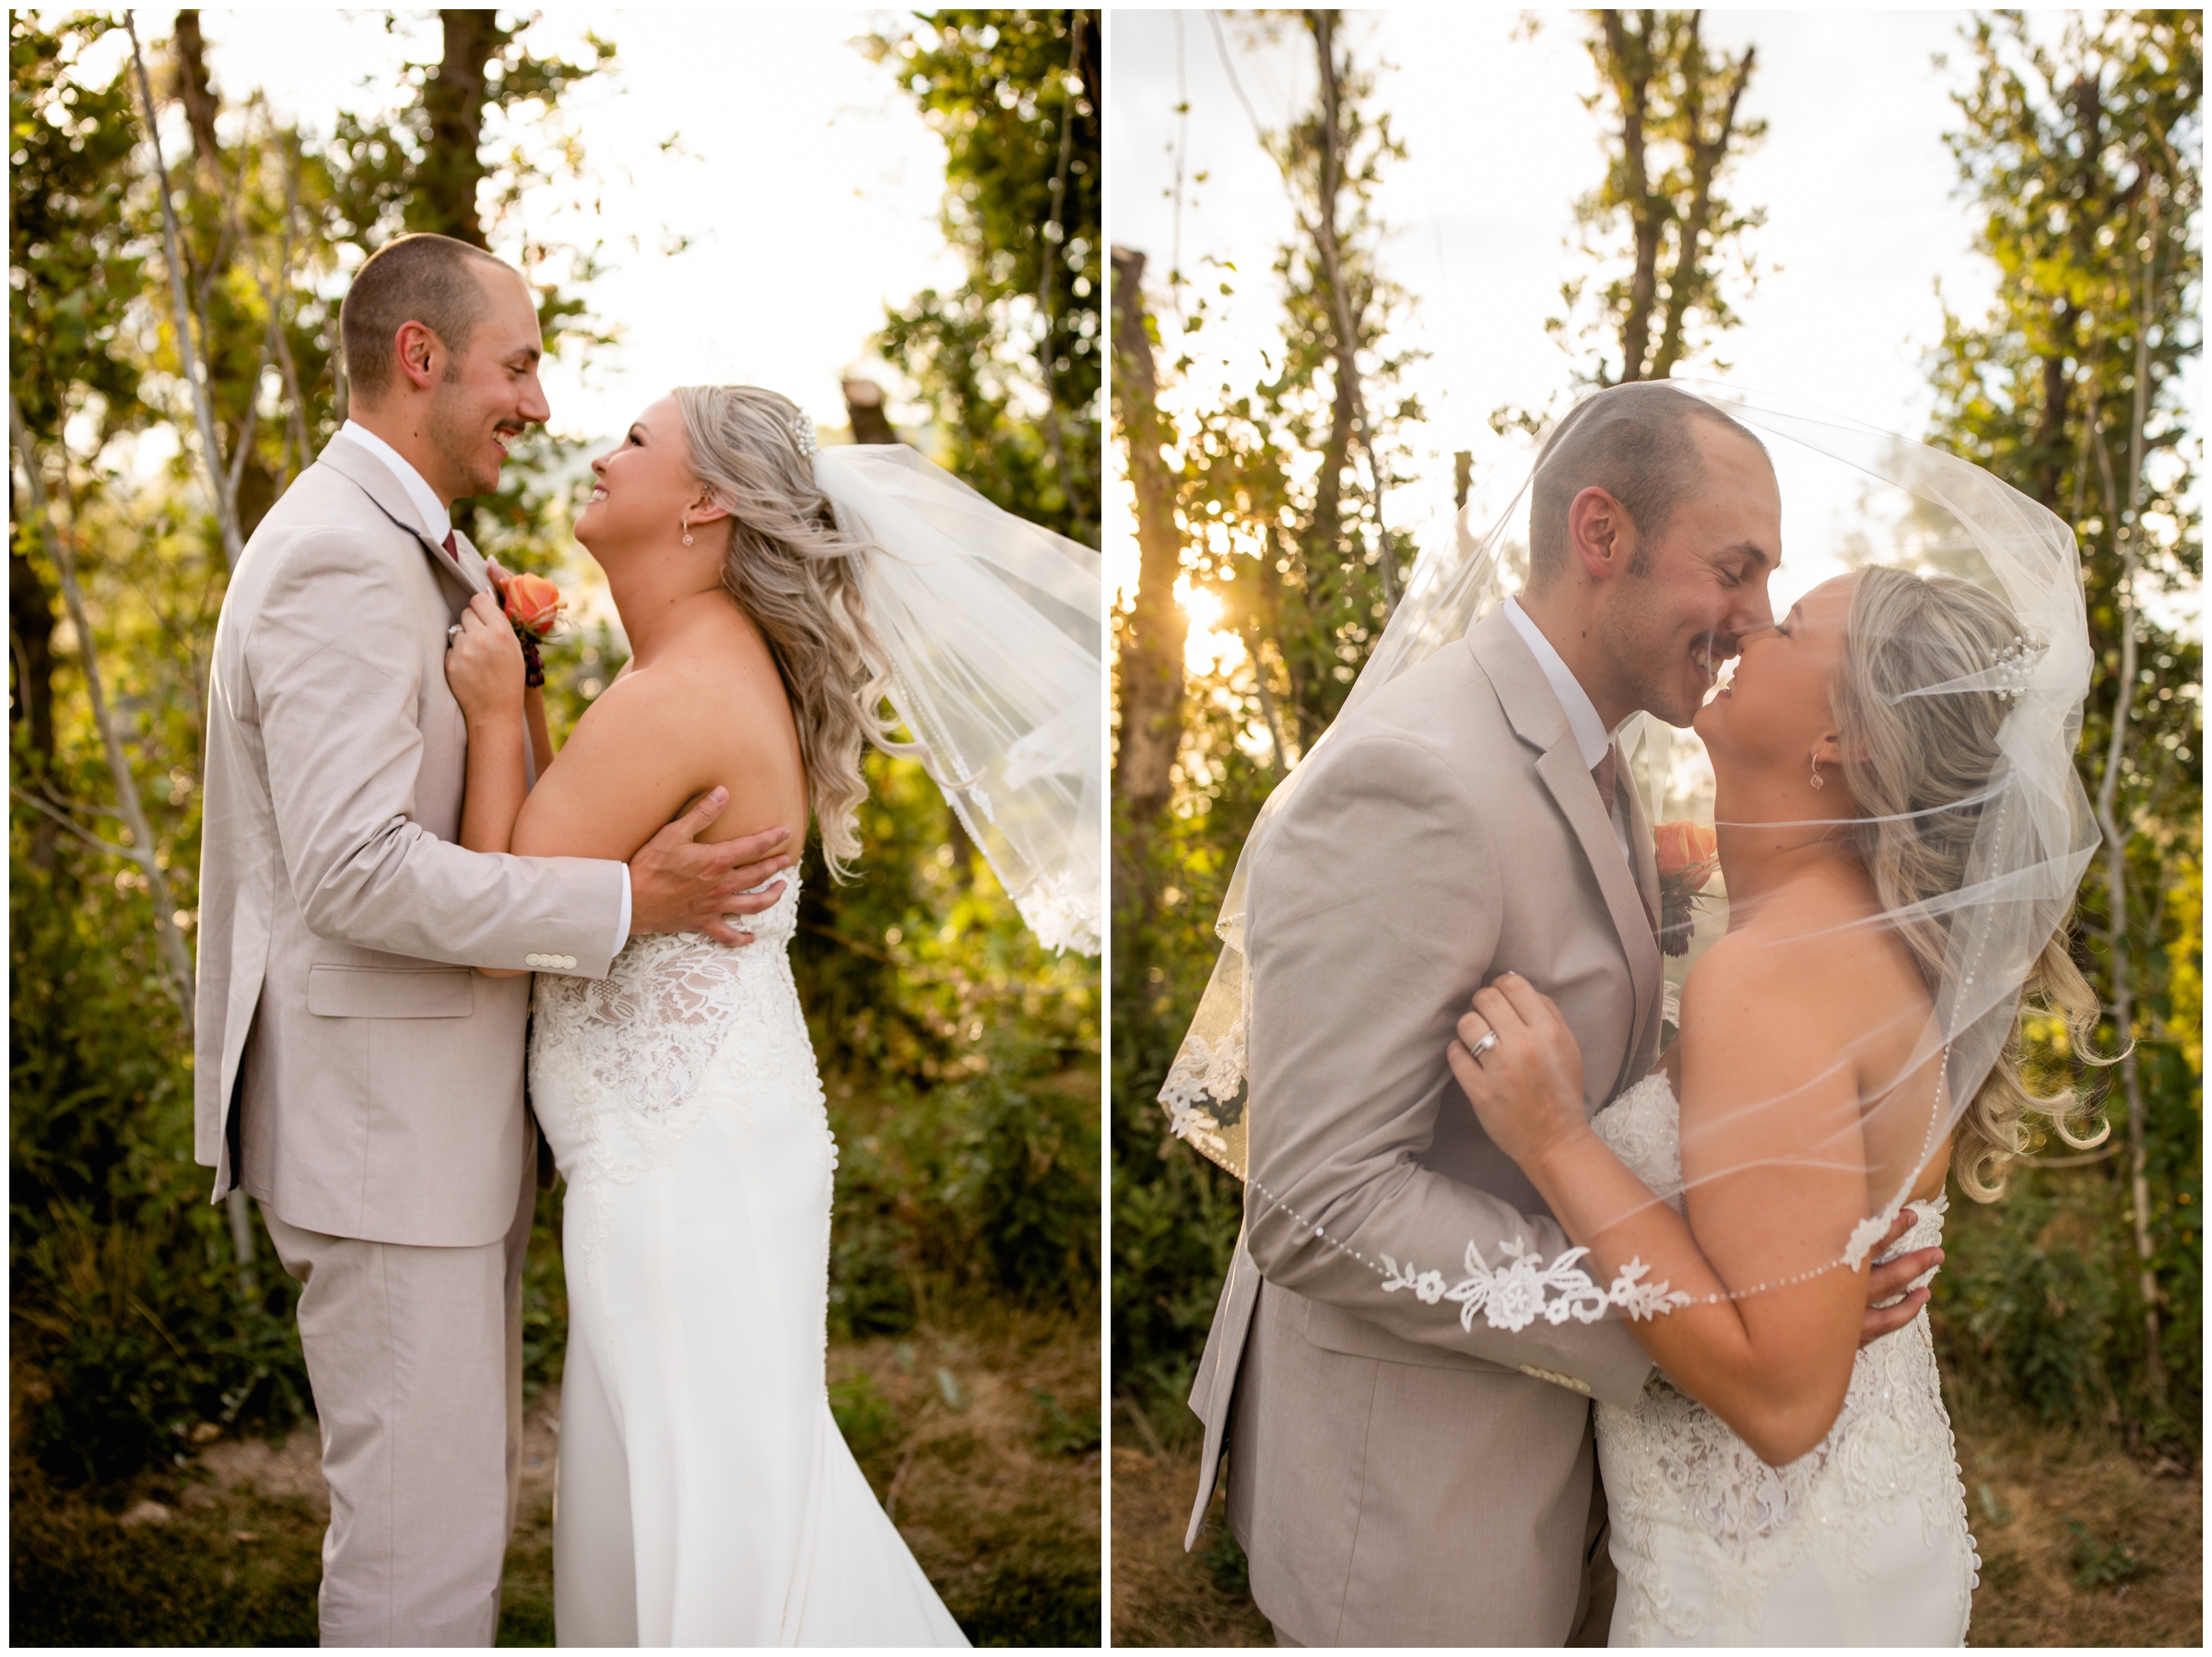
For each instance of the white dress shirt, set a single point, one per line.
(436, 516)
(1590, 734)
(437, 519)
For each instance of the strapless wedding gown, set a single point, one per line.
(1861, 1542)
(704, 1495)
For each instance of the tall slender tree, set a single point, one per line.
(2080, 154)
(1663, 252)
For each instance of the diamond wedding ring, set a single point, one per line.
(1489, 1040)
(452, 633)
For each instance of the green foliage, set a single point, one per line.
(1292, 553)
(2101, 1564)
(863, 1416)
(2026, 1298)
(962, 1061)
(2080, 155)
(77, 1578)
(1011, 93)
(1658, 233)
(1061, 1433)
(76, 273)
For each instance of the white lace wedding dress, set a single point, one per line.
(1861, 1542)
(705, 1494)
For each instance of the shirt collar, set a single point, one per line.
(437, 521)
(1590, 734)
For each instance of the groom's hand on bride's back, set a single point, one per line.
(678, 884)
(1887, 1281)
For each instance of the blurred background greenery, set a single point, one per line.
(162, 315)
(1255, 484)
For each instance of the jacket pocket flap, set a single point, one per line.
(387, 992)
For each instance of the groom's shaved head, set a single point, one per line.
(433, 280)
(1634, 442)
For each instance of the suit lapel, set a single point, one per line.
(1538, 720)
(374, 479)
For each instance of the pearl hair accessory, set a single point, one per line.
(802, 435)
(2015, 665)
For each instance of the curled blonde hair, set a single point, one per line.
(1908, 755)
(797, 574)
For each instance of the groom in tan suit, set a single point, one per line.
(1394, 1479)
(354, 1074)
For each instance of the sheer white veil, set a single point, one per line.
(2025, 823)
(995, 629)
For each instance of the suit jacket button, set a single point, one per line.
(569, 962)
(533, 960)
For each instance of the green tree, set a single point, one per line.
(1662, 249)
(1010, 364)
(137, 1312)
(1267, 507)
(2080, 156)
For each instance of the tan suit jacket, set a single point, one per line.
(378, 1080)
(1395, 1479)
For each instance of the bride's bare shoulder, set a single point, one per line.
(1796, 972)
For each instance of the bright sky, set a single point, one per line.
(807, 181)
(1857, 185)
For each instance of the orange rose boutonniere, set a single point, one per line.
(534, 607)
(1689, 853)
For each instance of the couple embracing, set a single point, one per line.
(1542, 1331)
(437, 963)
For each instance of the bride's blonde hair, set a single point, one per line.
(797, 574)
(1909, 761)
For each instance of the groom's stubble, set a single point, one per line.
(1695, 589)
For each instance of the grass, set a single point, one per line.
(984, 1428)
(2081, 1544)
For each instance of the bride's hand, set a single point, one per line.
(484, 663)
(1527, 1084)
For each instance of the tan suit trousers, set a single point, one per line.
(416, 1358)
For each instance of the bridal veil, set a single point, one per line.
(2025, 826)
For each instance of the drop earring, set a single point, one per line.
(686, 529)
(1818, 780)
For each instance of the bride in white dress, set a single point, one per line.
(1777, 1486)
(705, 1494)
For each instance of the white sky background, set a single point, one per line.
(1862, 221)
(807, 181)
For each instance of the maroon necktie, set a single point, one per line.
(452, 551)
(1606, 773)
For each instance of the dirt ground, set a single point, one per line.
(982, 1440)
(2080, 1544)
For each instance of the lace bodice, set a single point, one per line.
(623, 1067)
(1671, 1465)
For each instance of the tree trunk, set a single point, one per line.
(31, 682)
(1706, 155)
(1323, 25)
(864, 409)
(196, 92)
(142, 850)
(181, 313)
(1152, 640)
(1630, 71)
(453, 100)
(1052, 238)
(2115, 841)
